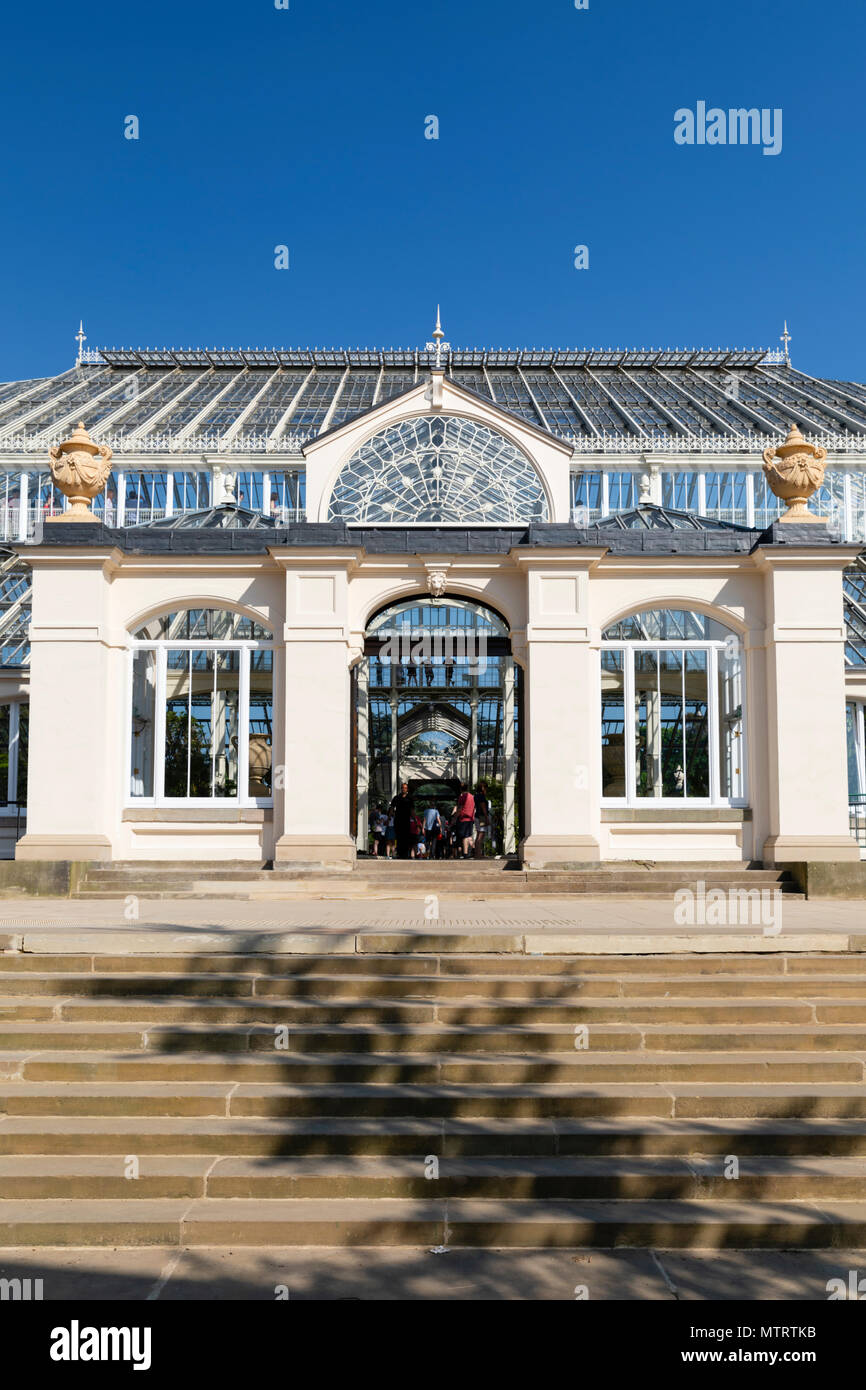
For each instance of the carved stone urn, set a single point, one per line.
(794, 470)
(260, 765)
(80, 469)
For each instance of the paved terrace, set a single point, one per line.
(541, 925)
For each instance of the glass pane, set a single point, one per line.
(143, 721)
(680, 491)
(201, 771)
(623, 491)
(261, 725)
(660, 768)
(671, 668)
(612, 724)
(666, 624)
(4, 752)
(177, 731)
(696, 730)
(586, 494)
(730, 685)
(204, 624)
(226, 725)
(437, 469)
(648, 750)
(23, 748)
(855, 767)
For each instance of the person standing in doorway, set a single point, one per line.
(379, 826)
(482, 819)
(401, 807)
(464, 821)
(432, 829)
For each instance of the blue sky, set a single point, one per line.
(305, 127)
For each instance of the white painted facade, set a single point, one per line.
(783, 603)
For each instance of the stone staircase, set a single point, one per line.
(371, 878)
(437, 1097)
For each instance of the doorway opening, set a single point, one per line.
(438, 704)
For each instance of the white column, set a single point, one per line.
(14, 734)
(169, 492)
(750, 498)
(473, 739)
(121, 499)
(22, 506)
(266, 494)
(509, 749)
(74, 800)
(802, 719)
(848, 513)
(317, 711)
(395, 747)
(702, 494)
(362, 715)
(562, 773)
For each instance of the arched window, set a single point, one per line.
(201, 709)
(429, 615)
(439, 470)
(672, 727)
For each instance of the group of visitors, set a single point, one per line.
(400, 832)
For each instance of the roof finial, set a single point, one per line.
(81, 339)
(438, 345)
(786, 338)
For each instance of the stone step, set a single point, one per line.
(437, 1223)
(655, 1178)
(570, 988)
(486, 1013)
(480, 1136)
(441, 1099)
(473, 880)
(378, 869)
(423, 1039)
(396, 955)
(566, 1068)
(657, 890)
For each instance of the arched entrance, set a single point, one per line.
(437, 703)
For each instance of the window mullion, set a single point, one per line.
(159, 739)
(630, 739)
(685, 765)
(244, 727)
(12, 760)
(713, 715)
(188, 721)
(213, 723)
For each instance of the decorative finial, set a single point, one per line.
(80, 469)
(81, 339)
(794, 471)
(786, 338)
(438, 345)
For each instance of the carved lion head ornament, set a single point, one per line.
(437, 581)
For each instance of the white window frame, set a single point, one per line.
(161, 648)
(712, 646)
(14, 745)
(859, 708)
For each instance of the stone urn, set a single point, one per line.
(794, 470)
(80, 469)
(260, 765)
